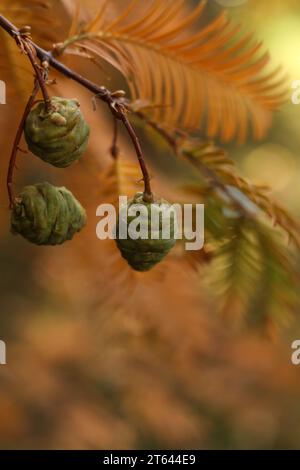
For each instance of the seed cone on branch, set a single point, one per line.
(144, 253)
(47, 215)
(58, 136)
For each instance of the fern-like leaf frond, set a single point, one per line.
(199, 76)
(254, 276)
(215, 164)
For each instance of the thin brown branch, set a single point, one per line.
(13, 157)
(114, 150)
(31, 54)
(148, 196)
(170, 139)
(114, 102)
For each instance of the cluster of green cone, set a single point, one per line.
(49, 215)
(42, 213)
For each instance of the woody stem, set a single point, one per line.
(39, 76)
(13, 157)
(114, 150)
(148, 196)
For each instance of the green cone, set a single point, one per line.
(60, 136)
(142, 254)
(47, 215)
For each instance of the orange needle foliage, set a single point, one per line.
(168, 60)
(103, 357)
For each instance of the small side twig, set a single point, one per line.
(13, 157)
(23, 39)
(119, 111)
(42, 84)
(148, 196)
(170, 139)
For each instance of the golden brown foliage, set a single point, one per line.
(222, 173)
(168, 60)
(102, 357)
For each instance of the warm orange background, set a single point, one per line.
(101, 357)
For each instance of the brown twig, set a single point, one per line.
(148, 196)
(31, 54)
(23, 40)
(114, 150)
(170, 139)
(114, 102)
(13, 157)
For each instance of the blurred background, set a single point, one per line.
(100, 357)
